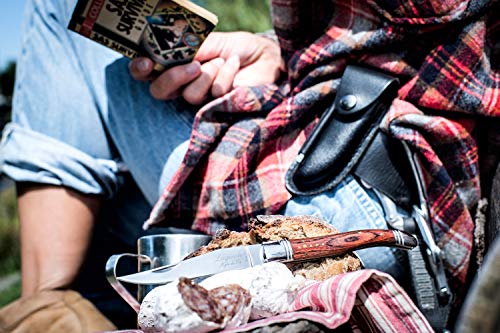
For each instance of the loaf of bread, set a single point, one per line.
(265, 228)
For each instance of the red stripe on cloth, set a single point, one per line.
(91, 17)
(391, 304)
(384, 304)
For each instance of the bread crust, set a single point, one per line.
(266, 228)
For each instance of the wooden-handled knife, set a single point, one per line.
(284, 250)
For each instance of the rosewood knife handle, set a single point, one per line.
(339, 244)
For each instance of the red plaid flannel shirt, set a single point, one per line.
(443, 53)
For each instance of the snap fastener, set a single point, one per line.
(348, 102)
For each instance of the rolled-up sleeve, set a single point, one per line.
(29, 156)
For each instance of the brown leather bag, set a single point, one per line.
(53, 311)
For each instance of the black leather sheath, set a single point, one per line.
(347, 140)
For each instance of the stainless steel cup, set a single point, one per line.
(164, 250)
(154, 251)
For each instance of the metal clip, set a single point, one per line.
(434, 255)
(420, 214)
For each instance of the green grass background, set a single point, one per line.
(9, 243)
(9, 229)
(247, 15)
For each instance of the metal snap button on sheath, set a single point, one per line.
(348, 102)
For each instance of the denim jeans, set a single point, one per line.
(80, 121)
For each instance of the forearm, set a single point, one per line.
(55, 228)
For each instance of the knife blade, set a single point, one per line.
(303, 249)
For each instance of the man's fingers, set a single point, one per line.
(212, 47)
(251, 76)
(224, 80)
(167, 85)
(141, 68)
(197, 91)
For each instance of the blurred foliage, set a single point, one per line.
(10, 294)
(246, 15)
(9, 230)
(10, 256)
(7, 77)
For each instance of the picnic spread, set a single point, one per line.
(370, 301)
(327, 292)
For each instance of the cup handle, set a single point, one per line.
(111, 265)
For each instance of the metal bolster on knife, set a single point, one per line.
(277, 251)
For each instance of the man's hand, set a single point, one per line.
(224, 61)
